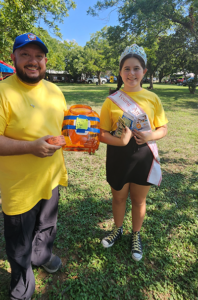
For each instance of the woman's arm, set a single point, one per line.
(107, 138)
(146, 136)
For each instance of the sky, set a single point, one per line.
(79, 26)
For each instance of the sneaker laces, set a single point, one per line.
(136, 245)
(114, 233)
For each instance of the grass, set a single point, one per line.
(169, 268)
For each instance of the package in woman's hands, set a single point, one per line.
(141, 123)
(120, 126)
(126, 120)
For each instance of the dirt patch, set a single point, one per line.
(106, 224)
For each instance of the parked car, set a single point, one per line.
(80, 80)
(94, 79)
(107, 78)
(146, 80)
(166, 81)
(173, 81)
(180, 80)
(115, 79)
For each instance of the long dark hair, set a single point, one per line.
(120, 82)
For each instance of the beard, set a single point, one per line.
(27, 79)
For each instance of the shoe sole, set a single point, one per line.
(135, 258)
(107, 246)
(52, 271)
(110, 245)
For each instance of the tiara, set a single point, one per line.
(134, 49)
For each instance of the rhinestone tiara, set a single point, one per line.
(134, 49)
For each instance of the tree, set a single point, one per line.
(20, 16)
(118, 39)
(140, 15)
(98, 54)
(188, 59)
(156, 19)
(181, 51)
(74, 59)
(57, 50)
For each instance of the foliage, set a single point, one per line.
(155, 22)
(118, 39)
(74, 59)
(98, 55)
(169, 268)
(99, 52)
(181, 51)
(20, 16)
(57, 50)
(139, 16)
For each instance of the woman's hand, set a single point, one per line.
(107, 138)
(126, 136)
(146, 136)
(142, 137)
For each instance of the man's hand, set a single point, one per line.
(38, 147)
(41, 148)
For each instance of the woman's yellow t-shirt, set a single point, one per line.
(148, 101)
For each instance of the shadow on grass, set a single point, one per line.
(169, 234)
(5, 282)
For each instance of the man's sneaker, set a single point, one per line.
(115, 234)
(53, 264)
(136, 246)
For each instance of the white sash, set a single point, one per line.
(127, 104)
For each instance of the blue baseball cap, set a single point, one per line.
(27, 38)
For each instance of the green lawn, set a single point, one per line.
(169, 268)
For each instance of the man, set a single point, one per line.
(31, 111)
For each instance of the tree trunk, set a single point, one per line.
(99, 80)
(151, 82)
(161, 75)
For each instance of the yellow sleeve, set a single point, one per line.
(159, 115)
(105, 116)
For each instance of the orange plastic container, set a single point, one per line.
(81, 129)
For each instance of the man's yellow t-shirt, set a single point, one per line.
(147, 100)
(28, 113)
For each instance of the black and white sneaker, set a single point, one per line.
(136, 246)
(115, 234)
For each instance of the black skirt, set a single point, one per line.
(130, 163)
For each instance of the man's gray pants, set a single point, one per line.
(29, 240)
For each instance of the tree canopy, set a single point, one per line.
(139, 15)
(153, 23)
(20, 16)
